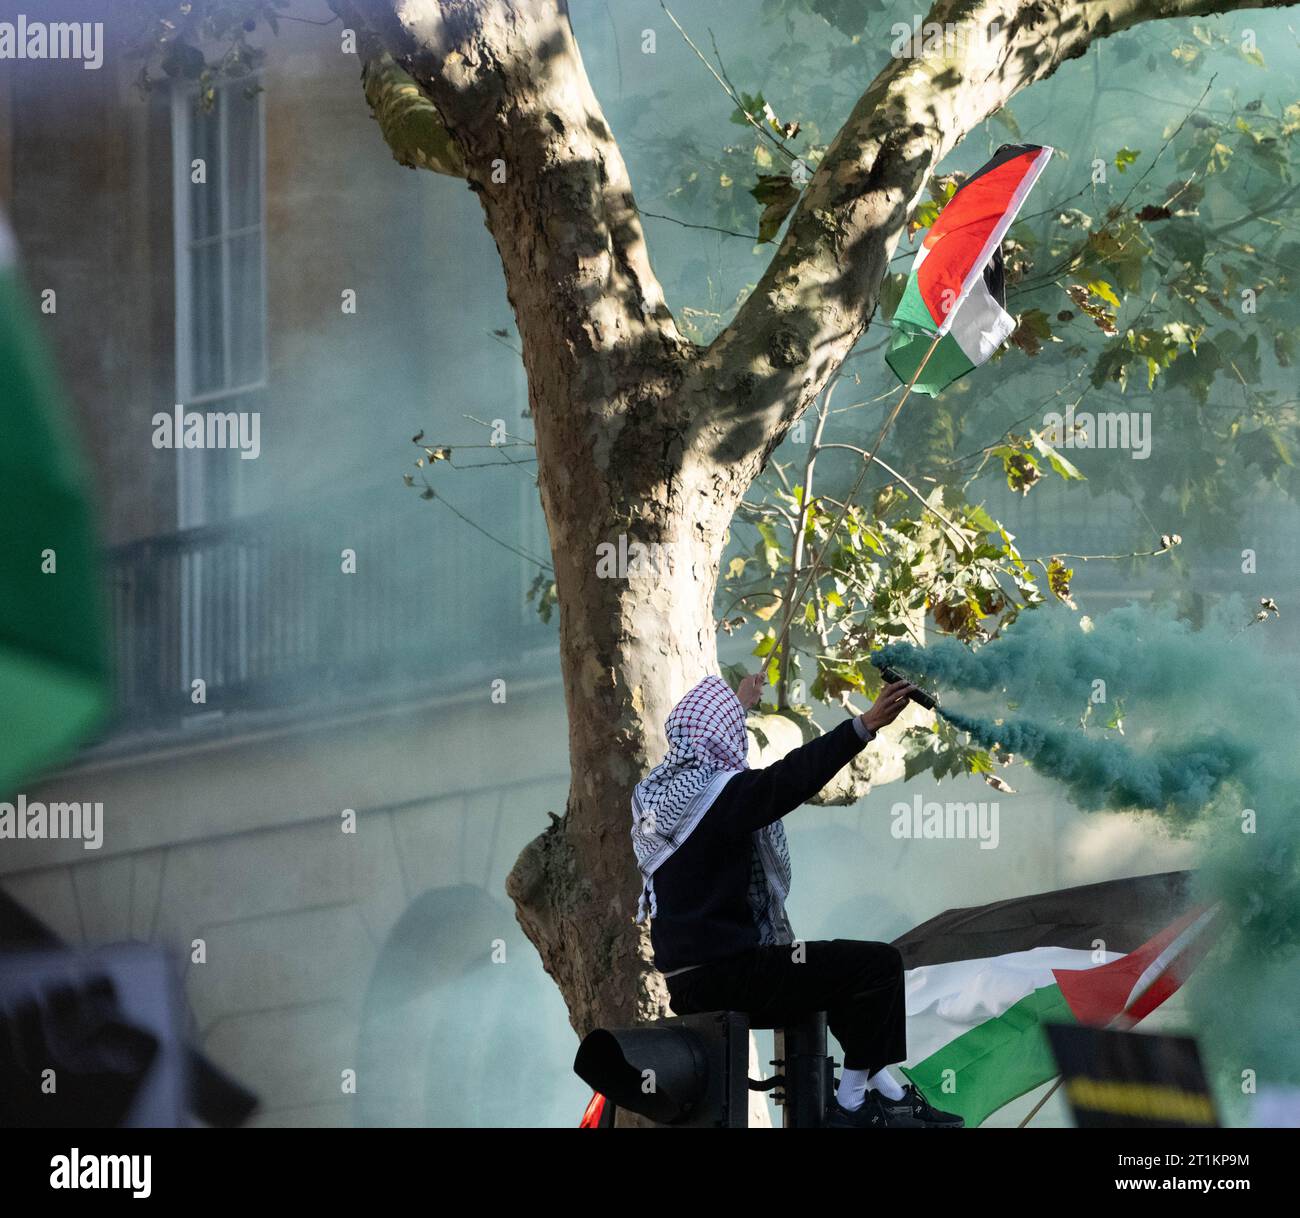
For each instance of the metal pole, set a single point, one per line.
(788, 617)
(807, 1071)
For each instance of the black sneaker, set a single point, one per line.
(913, 1111)
(868, 1116)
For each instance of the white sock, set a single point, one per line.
(852, 1089)
(885, 1083)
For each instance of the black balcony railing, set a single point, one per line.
(260, 610)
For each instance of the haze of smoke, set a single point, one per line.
(1245, 998)
(1223, 763)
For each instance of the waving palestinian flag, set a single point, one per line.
(982, 982)
(957, 288)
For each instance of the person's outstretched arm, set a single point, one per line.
(756, 798)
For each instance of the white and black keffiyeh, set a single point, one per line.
(707, 746)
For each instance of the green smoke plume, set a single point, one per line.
(1209, 749)
(1103, 773)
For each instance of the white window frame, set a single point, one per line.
(185, 243)
(191, 503)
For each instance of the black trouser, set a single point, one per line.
(858, 985)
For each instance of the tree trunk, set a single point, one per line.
(629, 648)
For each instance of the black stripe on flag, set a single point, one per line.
(995, 278)
(1123, 914)
(1007, 152)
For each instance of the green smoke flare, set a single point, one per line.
(1215, 725)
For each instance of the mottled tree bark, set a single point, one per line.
(641, 435)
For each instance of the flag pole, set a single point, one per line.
(788, 616)
(1033, 1112)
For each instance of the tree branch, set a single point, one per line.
(509, 86)
(820, 289)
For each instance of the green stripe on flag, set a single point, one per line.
(948, 363)
(997, 1061)
(53, 653)
(911, 312)
(914, 331)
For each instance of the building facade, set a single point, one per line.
(297, 800)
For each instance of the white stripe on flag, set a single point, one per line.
(945, 1000)
(981, 325)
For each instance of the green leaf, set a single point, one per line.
(1059, 464)
(769, 549)
(750, 106)
(1099, 287)
(919, 763)
(1120, 248)
(1058, 580)
(778, 194)
(925, 215)
(1032, 327)
(1022, 471)
(1124, 158)
(1116, 720)
(1184, 239)
(1266, 449)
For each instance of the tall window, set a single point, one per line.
(217, 156)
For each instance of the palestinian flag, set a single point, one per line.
(982, 982)
(53, 654)
(957, 286)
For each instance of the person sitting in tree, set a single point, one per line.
(715, 866)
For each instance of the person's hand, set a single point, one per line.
(888, 705)
(750, 690)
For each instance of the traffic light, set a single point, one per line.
(690, 1071)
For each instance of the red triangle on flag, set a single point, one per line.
(1133, 986)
